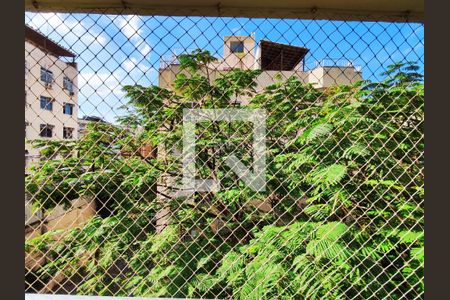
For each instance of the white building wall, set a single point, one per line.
(244, 61)
(35, 58)
(320, 77)
(340, 75)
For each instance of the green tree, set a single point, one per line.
(345, 192)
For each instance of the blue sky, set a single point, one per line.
(117, 50)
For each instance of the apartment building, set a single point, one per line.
(242, 52)
(84, 121)
(51, 100)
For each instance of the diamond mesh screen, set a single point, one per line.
(226, 158)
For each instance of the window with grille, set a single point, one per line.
(46, 130)
(46, 75)
(237, 47)
(46, 103)
(68, 132)
(68, 84)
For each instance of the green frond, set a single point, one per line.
(318, 211)
(355, 150)
(327, 249)
(418, 253)
(327, 176)
(332, 231)
(316, 132)
(408, 236)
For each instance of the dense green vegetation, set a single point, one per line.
(345, 191)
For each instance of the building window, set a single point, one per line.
(46, 130)
(46, 103)
(68, 109)
(68, 132)
(68, 84)
(46, 75)
(237, 47)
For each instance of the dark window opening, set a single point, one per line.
(46, 130)
(68, 109)
(68, 84)
(46, 103)
(68, 132)
(46, 75)
(237, 47)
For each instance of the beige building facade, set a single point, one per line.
(273, 59)
(51, 100)
(51, 109)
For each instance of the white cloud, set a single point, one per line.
(102, 84)
(46, 22)
(130, 26)
(89, 41)
(101, 40)
(58, 26)
(129, 64)
(144, 49)
(101, 92)
(110, 83)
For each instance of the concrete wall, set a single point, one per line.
(35, 58)
(339, 75)
(267, 78)
(168, 75)
(37, 223)
(320, 77)
(315, 77)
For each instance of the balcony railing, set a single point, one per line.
(168, 60)
(340, 63)
(172, 58)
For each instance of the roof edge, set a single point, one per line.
(350, 10)
(46, 43)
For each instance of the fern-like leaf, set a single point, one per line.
(356, 150)
(332, 231)
(328, 176)
(316, 132)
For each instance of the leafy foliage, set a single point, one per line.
(345, 192)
